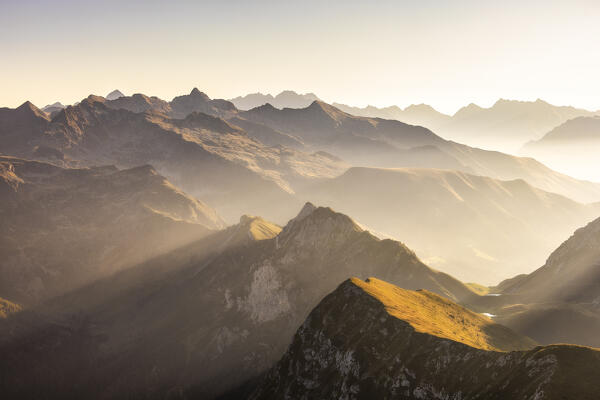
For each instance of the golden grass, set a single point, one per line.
(478, 289)
(261, 229)
(8, 307)
(429, 313)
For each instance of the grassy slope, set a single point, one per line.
(429, 313)
(7, 308)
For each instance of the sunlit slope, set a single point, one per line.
(430, 313)
(7, 308)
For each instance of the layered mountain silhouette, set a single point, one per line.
(415, 114)
(571, 147)
(374, 340)
(389, 143)
(53, 108)
(506, 125)
(203, 319)
(441, 214)
(62, 228)
(317, 128)
(206, 156)
(285, 99)
(116, 281)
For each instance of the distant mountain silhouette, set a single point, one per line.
(389, 143)
(415, 114)
(115, 94)
(572, 147)
(52, 108)
(285, 99)
(505, 126)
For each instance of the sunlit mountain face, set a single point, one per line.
(312, 200)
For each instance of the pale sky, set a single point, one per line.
(441, 52)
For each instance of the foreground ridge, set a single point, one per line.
(369, 340)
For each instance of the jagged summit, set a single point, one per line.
(197, 93)
(50, 108)
(115, 94)
(92, 98)
(306, 210)
(28, 108)
(313, 221)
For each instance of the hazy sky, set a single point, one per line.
(445, 53)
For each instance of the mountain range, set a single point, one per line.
(506, 125)
(154, 249)
(285, 99)
(267, 162)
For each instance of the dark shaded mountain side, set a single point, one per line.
(204, 319)
(559, 302)
(63, 227)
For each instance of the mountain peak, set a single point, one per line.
(28, 108)
(318, 104)
(27, 105)
(319, 226)
(197, 93)
(115, 94)
(265, 107)
(257, 228)
(92, 98)
(57, 104)
(307, 209)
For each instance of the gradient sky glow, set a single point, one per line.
(442, 52)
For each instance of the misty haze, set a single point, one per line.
(283, 200)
